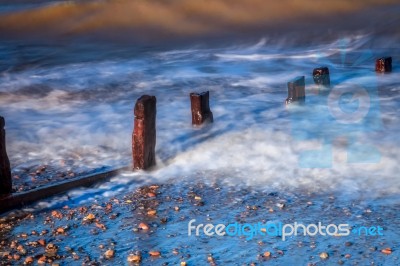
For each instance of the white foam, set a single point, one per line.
(85, 113)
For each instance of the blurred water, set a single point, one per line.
(83, 111)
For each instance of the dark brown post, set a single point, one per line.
(321, 76)
(296, 90)
(200, 106)
(5, 170)
(383, 65)
(144, 133)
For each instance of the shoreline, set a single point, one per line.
(155, 218)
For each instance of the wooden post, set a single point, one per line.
(200, 106)
(383, 65)
(144, 133)
(321, 76)
(5, 170)
(296, 90)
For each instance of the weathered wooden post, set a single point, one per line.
(144, 133)
(383, 65)
(5, 170)
(200, 106)
(321, 76)
(296, 90)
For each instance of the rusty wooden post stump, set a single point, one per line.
(200, 106)
(383, 65)
(5, 170)
(296, 90)
(144, 133)
(321, 76)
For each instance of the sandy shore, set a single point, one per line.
(151, 225)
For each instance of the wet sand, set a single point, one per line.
(27, 177)
(154, 218)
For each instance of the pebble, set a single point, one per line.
(386, 251)
(13, 244)
(51, 250)
(348, 244)
(101, 226)
(57, 214)
(83, 209)
(267, 254)
(42, 242)
(183, 263)
(151, 212)
(155, 253)
(89, 217)
(75, 256)
(109, 254)
(21, 250)
(324, 255)
(42, 260)
(28, 260)
(132, 258)
(143, 226)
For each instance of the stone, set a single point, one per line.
(200, 107)
(144, 133)
(324, 255)
(5, 170)
(51, 250)
(151, 212)
(109, 254)
(321, 76)
(383, 65)
(143, 226)
(296, 90)
(134, 258)
(90, 217)
(387, 251)
(154, 253)
(29, 260)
